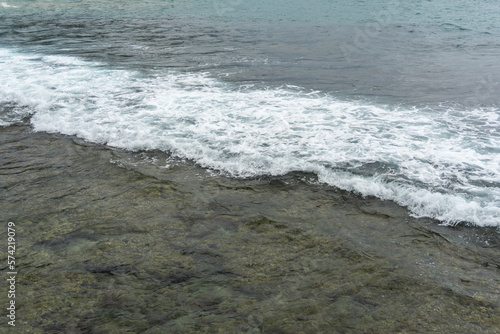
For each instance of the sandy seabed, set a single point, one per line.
(110, 241)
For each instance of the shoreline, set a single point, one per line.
(108, 243)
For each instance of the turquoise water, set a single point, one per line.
(474, 15)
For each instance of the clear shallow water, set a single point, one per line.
(111, 241)
(391, 99)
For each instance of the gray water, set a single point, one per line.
(418, 52)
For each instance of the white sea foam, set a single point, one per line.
(6, 5)
(439, 162)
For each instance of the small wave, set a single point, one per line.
(433, 161)
(451, 26)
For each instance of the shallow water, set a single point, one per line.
(112, 241)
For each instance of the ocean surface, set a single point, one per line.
(394, 99)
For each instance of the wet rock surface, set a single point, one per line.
(112, 241)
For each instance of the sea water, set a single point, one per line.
(393, 99)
